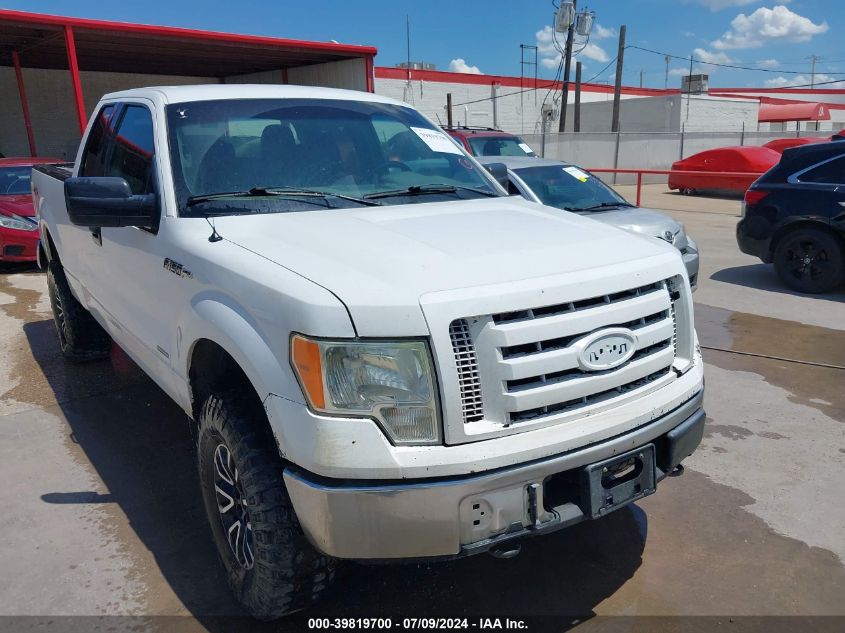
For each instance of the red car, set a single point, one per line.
(780, 144)
(488, 141)
(752, 160)
(18, 226)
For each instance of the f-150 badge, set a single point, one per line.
(177, 269)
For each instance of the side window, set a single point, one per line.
(134, 149)
(831, 172)
(94, 156)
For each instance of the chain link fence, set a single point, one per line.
(639, 150)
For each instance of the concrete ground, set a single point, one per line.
(102, 513)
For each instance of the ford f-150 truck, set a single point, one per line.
(387, 358)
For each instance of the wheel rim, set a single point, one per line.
(59, 313)
(806, 260)
(232, 507)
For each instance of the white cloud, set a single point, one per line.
(602, 33)
(550, 57)
(716, 5)
(768, 63)
(778, 24)
(594, 52)
(803, 80)
(460, 66)
(703, 55)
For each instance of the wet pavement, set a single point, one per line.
(102, 512)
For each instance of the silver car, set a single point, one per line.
(568, 187)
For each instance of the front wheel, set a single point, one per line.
(272, 568)
(809, 260)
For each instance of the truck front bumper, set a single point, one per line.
(464, 515)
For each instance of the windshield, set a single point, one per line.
(320, 146)
(15, 180)
(499, 146)
(570, 188)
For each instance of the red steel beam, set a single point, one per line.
(73, 66)
(27, 120)
(371, 75)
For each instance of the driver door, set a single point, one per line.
(129, 282)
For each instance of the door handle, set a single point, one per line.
(97, 235)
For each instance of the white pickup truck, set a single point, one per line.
(386, 356)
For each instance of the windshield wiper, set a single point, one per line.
(258, 192)
(602, 205)
(421, 190)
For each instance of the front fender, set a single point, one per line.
(219, 318)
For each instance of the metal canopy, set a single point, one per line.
(34, 40)
(139, 48)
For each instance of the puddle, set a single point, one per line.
(818, 387)
(34, 373)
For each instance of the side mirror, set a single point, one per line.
(500, 172)
(108, 201)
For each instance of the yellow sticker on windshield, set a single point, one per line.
(577, 173)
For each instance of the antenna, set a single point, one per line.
(215, 236)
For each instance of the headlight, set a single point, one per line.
(17, 222)
(390, 381)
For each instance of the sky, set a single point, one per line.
(773, 40)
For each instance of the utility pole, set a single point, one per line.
(641, 79)
(570, 35)
(577, 121)
(617, 90)
(813, 59)
(449, 109)
(667, 58)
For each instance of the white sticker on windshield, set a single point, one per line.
(524, 147)
(577, 173)
(436, 141)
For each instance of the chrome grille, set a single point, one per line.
(530, 358)
(467, 365)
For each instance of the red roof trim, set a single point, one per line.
(797, 91)
(779, 101)
(527, 83)
(26, 17)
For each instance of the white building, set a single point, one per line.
(515, 104)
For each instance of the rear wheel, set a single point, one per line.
(688, 191)
(272, 568)
(80, 336)
(809, 260)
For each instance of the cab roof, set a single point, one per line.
(212, 92)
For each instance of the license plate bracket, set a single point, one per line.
(614, 483)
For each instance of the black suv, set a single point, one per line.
(794, 216)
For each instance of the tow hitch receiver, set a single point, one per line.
(613, 483)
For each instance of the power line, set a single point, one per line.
(722, 65)
(598, 74)
(552, 84)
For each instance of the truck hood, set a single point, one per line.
(18, 205)
(380, 261)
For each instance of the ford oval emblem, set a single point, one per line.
(606, 349)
